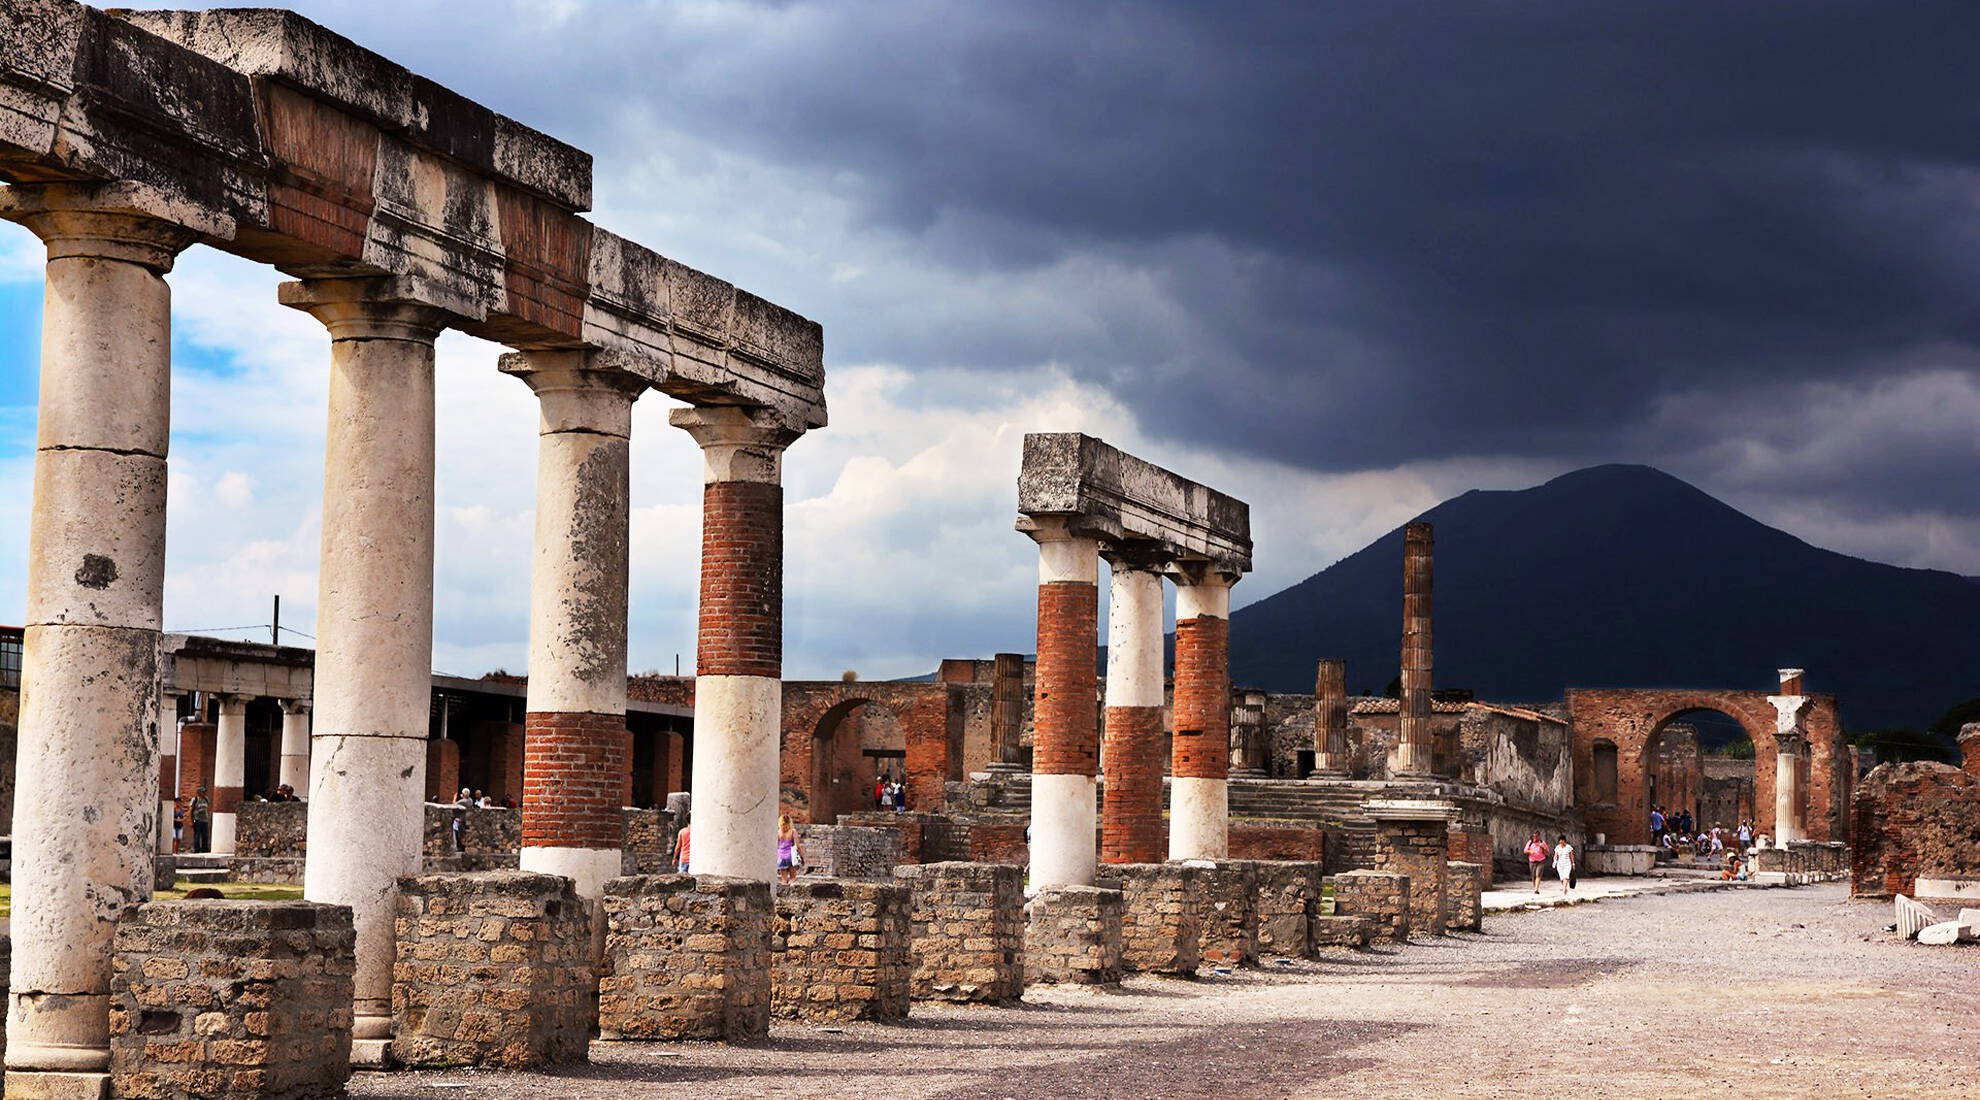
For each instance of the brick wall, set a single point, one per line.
(1379, 896)
(1161, 916)
(840, 950)
(968, 936)
(817, 714)
(229, 999)
(575, 771)
(443, 769)
(195, 764)
(1072, 935)
(1294, 841)
(1132, 829)
(1912, 821)
(1064, 739)
(1969, 748)
(1202, 697)
(999, 842)
(742, 580)
(1420, 850)
(687, 957)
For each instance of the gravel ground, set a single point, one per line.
(1749, 993)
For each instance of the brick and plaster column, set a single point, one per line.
(1330, 718)
(1413, 744)
(1199, 792)
(575, 747)
(229, 770)
(87, 756)
(1131, 754)
(374, 619)
(738, 689)
(168, 766)
(1065, 745)
(295, 745)
(1790, 743)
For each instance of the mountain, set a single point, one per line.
(1624, 576)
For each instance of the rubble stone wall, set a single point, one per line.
(968, 935)
(1073, 935)
(1419, 849)
(1464, 900)
(687, 957)
(849, 851)
(841, 950)
(1289, 894)
(1161, 916)
(1379, 896)
(1912, 821)
(1230, 912)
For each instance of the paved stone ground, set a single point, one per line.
(1748, 993)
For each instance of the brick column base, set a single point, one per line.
(493, 969)
(1161, 916)
(1464, 904)
(841, 950)
(1230, 912)
(228, 999)
(1072, 935)
(1379, 896)
(968, 931)
(1289, 894)
(687, 957)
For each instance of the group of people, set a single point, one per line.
(888, 794)
(476, 799)
(790, 852)
(1728, 847)
(196, 814)
(1561, 856)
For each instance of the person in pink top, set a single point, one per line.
(1536, 858)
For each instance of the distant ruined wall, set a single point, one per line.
(1528, 763)
(1912, 821)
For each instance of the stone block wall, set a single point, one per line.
(493, 969)
(968, 934)
(944, 840)
(909, 826)
(271, 830)
(1340, 931)
(1289, 893)
(225, 999)
(1073, 935)
(1161, 916)
(841, 950)
(850, 851)
(1230, 912)
(1379, 896)
(1417, 849)
(649, 841)
(1912, 821)
(1464, 898)
(686, 957)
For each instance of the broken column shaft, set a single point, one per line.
(1790, 745)
(1330, 718)
(1199, 792)
(1413, 743)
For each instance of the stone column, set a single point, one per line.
(295, 745)
(1249, 759)
(1006, 713)
(1413, 743)
(1330, 718)
(1199, 793)
(229, 770)
(1790, 743)
(1131, 754)
(87, 756)
(1064, 743)
(374, 619)
(738, 687)
(168, 766)
(576, 762)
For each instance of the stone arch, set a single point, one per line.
(915, 727)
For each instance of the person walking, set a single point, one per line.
(1745, 835)
(790, 856)
(202, 822)
(681, 851)
(1536, 858)
(1564, 863)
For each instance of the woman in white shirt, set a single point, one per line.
(1564, 863)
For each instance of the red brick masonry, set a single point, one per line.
(1203, 694)
(573, 776)
(1131, 829)
(742, 580)
(1064, 741)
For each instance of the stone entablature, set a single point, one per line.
(1110, 495)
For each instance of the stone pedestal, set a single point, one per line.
(1230, 912)
(686, 957)
(494, 969)
(968, 931)
(1161, 916)
(1412, 837)
(1380, 897)
(1464, 897)
(231, 999)
(1338, 931)
(1288, 899)
(1073, 935)
(840, 950)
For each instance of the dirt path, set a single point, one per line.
(1752, 993)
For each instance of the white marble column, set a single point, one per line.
(1065, 742)
(87, 757)
(1790, 742)
(295, 746)
(168, 767)
(738, 692)
(374, 618)
(229, 770)
(1199, 787)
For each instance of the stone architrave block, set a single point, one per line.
(1341, 931)
(1073, 935)
(968, 931)
(232, 999)
(1380, 896)
(1230, 911)
(686, 957)
(1913, 917)
(1161, 916)
(841, 950)
(492, 969)
(1289, 893)
(1464, 897)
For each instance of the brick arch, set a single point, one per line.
(1633, 718)
(931, 732)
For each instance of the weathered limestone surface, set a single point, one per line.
(1339, 930)
(1113, 496)
(841, 950)
(1289, 895)
(969, 930)
(494, 969)
(1161, 916)
(1380, 897)
(1073, 935)
(688, 957)
(227, 999)
(1230, 911)
(1464, 906)
(1412, 837)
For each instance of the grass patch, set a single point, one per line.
(233, 891)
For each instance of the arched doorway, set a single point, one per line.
(1701, 771)
(854, 742)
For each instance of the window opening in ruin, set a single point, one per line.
(1605, 772)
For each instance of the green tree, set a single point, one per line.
(1741, 749)
(1902, 744)
(1957, 715)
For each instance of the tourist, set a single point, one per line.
(681, 850)
(466, 799)
(1564, 863)
(900, 797)
(790, 857)
(202, 819)
(1536, 858)
(482, 801)
(1684, 821)
(886, 795)
(879, 791)
(1745, 835)
(1656, 823)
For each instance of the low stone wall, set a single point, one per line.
(1617, 859)
(850, 851)
(493, 969)
(911, 827)
(841, 950)
(1230, 912)
(1464, 897)
(687, 957)
(1417, 849)
(1072, 934)
(225, 999)
(1340, 931)
(271, 830)
(271, 841)
(1289, 894)
(1912, 821)
(1379, 896)
(1161, 919)
(968, 931)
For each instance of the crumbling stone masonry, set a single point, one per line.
(968, 931)
(841, 949)
(1464, 897)
(1337, 930)
(1289, 895)
(494, 969)
(1161, 916)
(229, 999)
(1073, 936)
(688, 957)
(1380, 897)
(1230, 912)
(1412, 838)
(1912, 821)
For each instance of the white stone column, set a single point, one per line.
(229, 770)
(168, 766)
(1790, 741)
(738, 692)
(574, 764)
(1199, 786)
(295, 746)
(374, 619)
(1065, 743)
(86, 797)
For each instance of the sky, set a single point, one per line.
(1342, 261)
